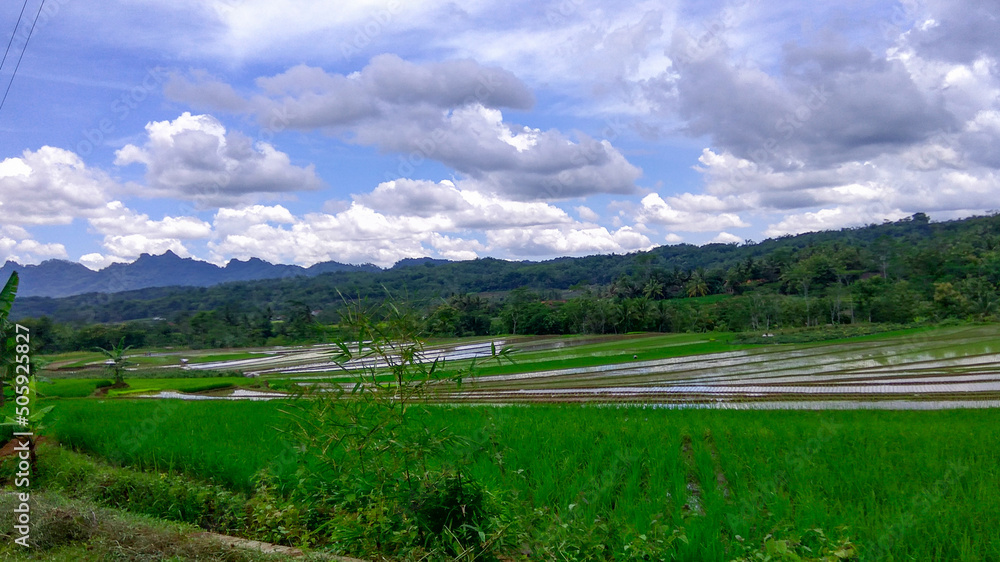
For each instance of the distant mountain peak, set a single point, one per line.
(62, 278)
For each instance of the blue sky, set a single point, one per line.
(300, 132)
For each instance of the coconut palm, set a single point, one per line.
(696, 285)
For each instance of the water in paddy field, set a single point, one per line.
(932, 370)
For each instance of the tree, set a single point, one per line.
(516, 309)
(696, 285)
(653, 289)
(117, 361)
(370, 456)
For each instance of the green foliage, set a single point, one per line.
(117, 361)
(7, 295)
(812, 546)
(907, 271)
(593, 481)
(162, 495)
(387, 477)
(7, 341)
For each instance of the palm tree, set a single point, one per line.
(653, 289)
(116, 361)
(696, 286)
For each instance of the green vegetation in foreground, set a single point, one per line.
(66, 530)
(907, 485)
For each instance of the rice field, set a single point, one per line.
(900, 485)
(611, 438)
(942, 365)
(911, 369)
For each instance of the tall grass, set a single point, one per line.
(908, 485)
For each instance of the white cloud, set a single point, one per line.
(51, 186)
(193, 157)
(725, 238)
(449, 112)
(830, 219)
(654, 209)
(411, 218)
(452, 206)
(566, 240)
(127, 247)
(97, 261)
(454, 248)
(25, 251)
(120, 220)
(586, 213)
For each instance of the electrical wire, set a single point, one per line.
(18, 65)
(13, 33)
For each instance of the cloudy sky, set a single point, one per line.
(371, 131)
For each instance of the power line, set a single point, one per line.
(18, 65)
(14, 33)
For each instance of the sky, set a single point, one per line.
(372, 131)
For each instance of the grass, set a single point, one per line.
(224, 441)
(79, 388)
(71, 530)
(913, 485)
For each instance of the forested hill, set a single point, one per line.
(914, 250)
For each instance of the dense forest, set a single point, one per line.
(911, 270)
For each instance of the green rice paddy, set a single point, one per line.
(910, 485)
(900, 485)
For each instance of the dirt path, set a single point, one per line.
(268, 548)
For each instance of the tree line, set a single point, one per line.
(911, 270)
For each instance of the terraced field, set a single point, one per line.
(950, 367)
(961, 364)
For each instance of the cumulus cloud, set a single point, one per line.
(24, 250)
(688, 213)
(830, 103)
(586, 213)
(449, 112)
(409, 218)
(129, 234)
(120, 220)
(832, 129)
(458, 207)
(957, 31)
(193, 157)
(567, 240)
(51, 186)
(725, 238)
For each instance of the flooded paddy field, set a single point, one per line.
(915, 369)
(941, 367)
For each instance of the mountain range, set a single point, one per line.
(61, 278)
